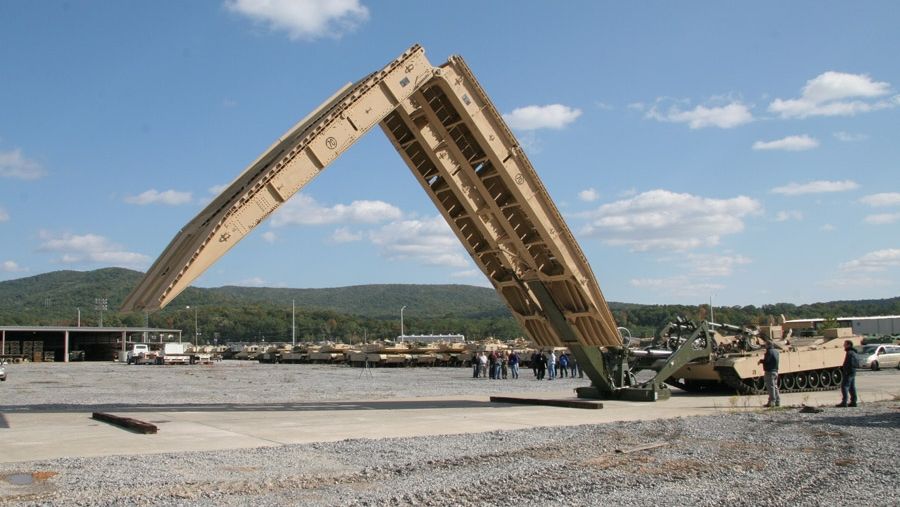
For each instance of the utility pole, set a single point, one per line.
(293, 324)
(402, 334)
(101, 304)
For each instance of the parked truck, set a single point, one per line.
(141, 353)
(176, 353)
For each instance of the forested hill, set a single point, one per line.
(49, 293)
(245, 312)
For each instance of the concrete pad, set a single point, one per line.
(35, 435)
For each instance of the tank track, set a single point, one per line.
(787, 383)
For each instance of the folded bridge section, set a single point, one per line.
(460, 150)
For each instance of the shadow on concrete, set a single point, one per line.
(886, 420)
(3, 423)
(252, 407)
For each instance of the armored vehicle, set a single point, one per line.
(806, 364)
(459, 149)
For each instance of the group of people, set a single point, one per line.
(505, 364)
(848, 378)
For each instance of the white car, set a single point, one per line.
(876, 356)
(3, 371)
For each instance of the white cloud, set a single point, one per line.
(469, 273)
(681, 284)
(90, 248)
(11, 267)
(878, 260)
(827, 228)
(836, 94)
(848, 137)
(589, 195)
(789, 143)
(854, 282)
(269, 237)
(430, 242)
(882, 218)
(660, 219)
(726, 117)
(304, 210)
(882, 199)
(815, 187)
(217, 189)
(345, 235)
(254, 281)
(553, 116)
(708, 265)
(14, 165)
(153, 196)
(304, 19)
(4, 216)
(784, 216)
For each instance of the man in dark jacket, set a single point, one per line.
(770, 369)
(848, 384)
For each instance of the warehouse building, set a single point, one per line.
(64, 343)
(865, 326)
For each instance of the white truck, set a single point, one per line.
(140, 353)
(171, 353)
(176, 353)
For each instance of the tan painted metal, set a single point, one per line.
(289, 164)
(460, 150)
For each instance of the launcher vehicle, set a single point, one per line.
(458, 147)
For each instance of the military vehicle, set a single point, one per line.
(460, 150)
(810, 363)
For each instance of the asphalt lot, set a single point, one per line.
(46, 407)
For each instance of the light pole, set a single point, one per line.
(401, 321)
(101, 304)
(196, 327)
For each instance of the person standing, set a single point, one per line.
(514, 364)
(551, 365)
(848, 383)
(770, 370)
(541, 362)
(476, 366)
(504, 365)
(483, 364)
(564, 365)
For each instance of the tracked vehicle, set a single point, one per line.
(806, 364)
(459, 149)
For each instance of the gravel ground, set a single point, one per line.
(247, 382)
(775, 457)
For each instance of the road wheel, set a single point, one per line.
(759, 383)
(800, 380)
(787, 381)
(875, 366)
(812, 380)
(825, 378)
(837, 376)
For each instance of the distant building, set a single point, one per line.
(62, 343)
(871, 326)
(430, 338)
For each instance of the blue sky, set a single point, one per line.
(747, 153)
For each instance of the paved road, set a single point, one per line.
(55, 428)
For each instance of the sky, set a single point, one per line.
(740, 153)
